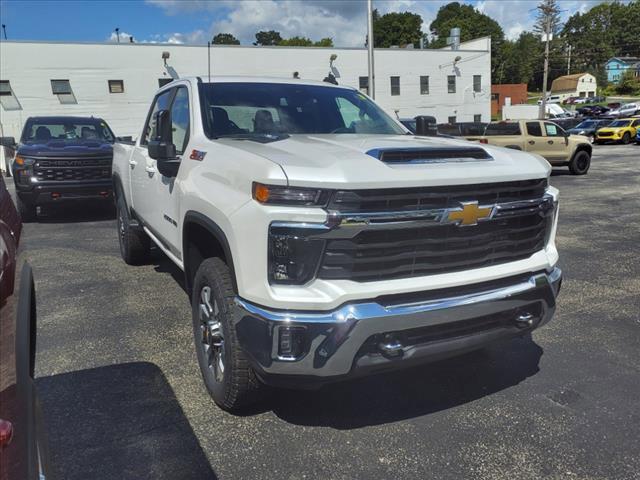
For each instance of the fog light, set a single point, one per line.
(291, 341)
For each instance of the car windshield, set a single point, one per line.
(246, 110)
(620, 123)
(587, 124)
(66, 130)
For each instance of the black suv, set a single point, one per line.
(60, 159)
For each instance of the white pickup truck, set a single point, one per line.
(321, 241)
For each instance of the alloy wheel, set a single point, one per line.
(211, 329)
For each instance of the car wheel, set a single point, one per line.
(626, 138)
(27, 210)
(580, 163)
(226, 372)
(134, 243)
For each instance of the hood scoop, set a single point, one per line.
(406, 156)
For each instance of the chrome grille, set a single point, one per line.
(380, 246)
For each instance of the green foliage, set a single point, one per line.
(296, 42)
(324, 42)
(629, 84)
(225, 39)
(396, 29)
(521, 61)
(267, 38)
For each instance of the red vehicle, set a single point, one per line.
(23, 447)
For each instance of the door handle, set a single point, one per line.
(531, 142)
(550, 142)
(132, 163)
(150, 170)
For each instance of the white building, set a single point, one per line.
(576, 85)
(117, 81)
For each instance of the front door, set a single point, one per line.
(556, 143)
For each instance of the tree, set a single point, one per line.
(266, 38)
(548, 17)
(629, 84)
(324, 42)
(472, 24)
(225, 39)
(396, 29)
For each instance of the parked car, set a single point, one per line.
(24, 452)
(308, 224)
(637, 136)
(588, 128)
(593, 110)
(552, 99)
(462, 129)
(625, 110)
(622, 130)
(544, 138)
(61, 159)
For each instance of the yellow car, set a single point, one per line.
(621, 130)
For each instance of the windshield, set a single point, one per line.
(66, 130)
(586, 124)
(620, 123)
(273, 109)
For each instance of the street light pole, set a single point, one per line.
(543, 105)
(372, 84)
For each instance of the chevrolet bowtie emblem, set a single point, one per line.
(468, 214)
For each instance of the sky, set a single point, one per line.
(197, 21)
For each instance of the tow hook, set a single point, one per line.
(525, 320)
(391, 347)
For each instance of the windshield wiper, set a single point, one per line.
(255, 137)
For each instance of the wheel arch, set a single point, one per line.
(583, 147)
(203, 238)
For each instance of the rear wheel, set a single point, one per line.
(134, 243)
(27, 211)
(225, 369)
(626, 138)
(580, 163)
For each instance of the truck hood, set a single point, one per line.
(59, 148)
(333, 161)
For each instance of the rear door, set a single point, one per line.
(535, 141)
(143, 171)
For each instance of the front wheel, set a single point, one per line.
(225, 369)
(27, 211)
(626, 138)
(580, 163)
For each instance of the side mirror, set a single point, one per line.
(8, 142)
(161, 146)
(426, 126)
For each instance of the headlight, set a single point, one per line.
(294, 253)
(283, 195)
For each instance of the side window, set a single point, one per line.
(160, 103)
(534, 129)
(180, 119)
(553, 130)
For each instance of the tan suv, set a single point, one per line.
(544, 138)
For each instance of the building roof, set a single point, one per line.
(567, 83)
(627, 60)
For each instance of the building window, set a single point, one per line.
(451, 120)
(477, 118)
(495, 97)
(363, 85)
(424, 85)
(8, 99)
(477, 83)
(451, 84)
(395, 86)
(62, 88)
(116, 86)
(163, 81)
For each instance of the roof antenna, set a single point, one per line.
(209, 60)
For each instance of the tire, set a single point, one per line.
(226, 372)
(580, 163)
(626, 138)
(27, 210)
(134, 243)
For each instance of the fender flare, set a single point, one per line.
(210, 226)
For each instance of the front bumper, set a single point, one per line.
(388, 333)
(43, 193)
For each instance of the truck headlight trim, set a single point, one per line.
(285, 195)
(294, 253)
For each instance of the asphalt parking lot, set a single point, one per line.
(123, 397)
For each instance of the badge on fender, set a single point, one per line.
(197, 155)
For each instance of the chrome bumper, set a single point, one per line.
(359, 338)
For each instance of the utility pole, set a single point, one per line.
(569, 62)
(547, 31)
(118, 34)
(4, 30)
(372, 85)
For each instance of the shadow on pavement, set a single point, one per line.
(119, 422)
(412, 393)
(75, 212)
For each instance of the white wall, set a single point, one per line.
(29, 66)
